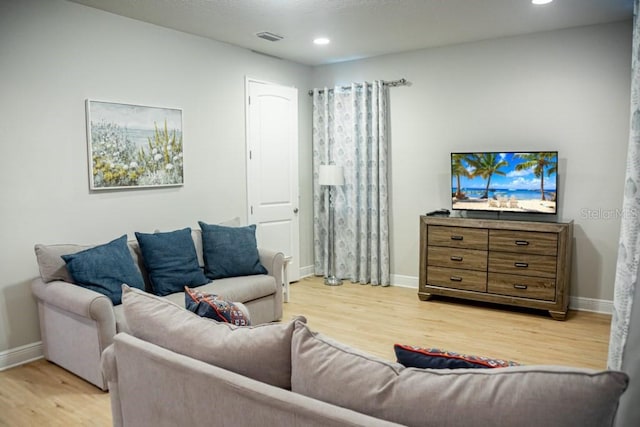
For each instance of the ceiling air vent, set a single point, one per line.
(269, 36)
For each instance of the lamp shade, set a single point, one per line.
(331, 175)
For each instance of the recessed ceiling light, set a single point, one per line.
(321, 40)
(541, 1)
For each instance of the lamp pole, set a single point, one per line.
(331, 176)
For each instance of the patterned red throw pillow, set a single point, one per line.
(434, 358)
(213, 307)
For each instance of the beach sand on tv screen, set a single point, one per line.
(531, 206)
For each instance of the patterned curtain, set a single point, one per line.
(350, 130)
(624, 342)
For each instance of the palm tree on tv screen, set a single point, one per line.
(458, 169)
(538, 162)
(486, 165)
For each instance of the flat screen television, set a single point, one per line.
(505, 181)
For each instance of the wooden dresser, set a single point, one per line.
(521, 263)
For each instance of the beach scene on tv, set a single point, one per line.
(511, 182)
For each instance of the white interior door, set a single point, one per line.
(272, 168)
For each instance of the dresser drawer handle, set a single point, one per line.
(521, 264)
(522, 243)
(518, 286)
(457, 237)
(455, 278)
(456, 258)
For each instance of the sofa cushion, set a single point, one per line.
(260, 352)
(213, 307)
(434, 358)
(50, 263)
(230, 251)
(242, 289)
(104, 268)
(196, 234)
(171, 261)
(514, 396)
(52, 266)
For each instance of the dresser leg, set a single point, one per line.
(424, 297)
(558, 315)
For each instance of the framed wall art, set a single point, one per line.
(133, 146)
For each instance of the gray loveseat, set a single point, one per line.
(175, 368)
(77, 324)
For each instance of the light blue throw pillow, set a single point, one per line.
(230, 251)
(171, 260)
(105, 268)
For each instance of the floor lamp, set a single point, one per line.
(331, 176)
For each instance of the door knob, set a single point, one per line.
(295, 210)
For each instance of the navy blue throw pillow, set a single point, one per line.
(214, 307)
(230, 251)
(171, 260)
(104, 268)
(435, 358)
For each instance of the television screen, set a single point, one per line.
(505, 182)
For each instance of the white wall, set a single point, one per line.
(55, 54)
(563, 90)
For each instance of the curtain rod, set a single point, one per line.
(392, 83)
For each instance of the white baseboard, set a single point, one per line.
(306, 271)
(575, 303)
(404, 281)
(589, 304)
(20, 355)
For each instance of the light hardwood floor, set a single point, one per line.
(370, 318)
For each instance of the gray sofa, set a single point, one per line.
(77, 324)
(175, 368)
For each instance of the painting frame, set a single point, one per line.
(133, 146)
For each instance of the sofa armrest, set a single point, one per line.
(273, 261)
(108, 364)
(110, 374)
(75, 299)
(76, 325)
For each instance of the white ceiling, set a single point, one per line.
(362, 28)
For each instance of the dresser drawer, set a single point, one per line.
(522, 264)
(522, 286)
(458, 237)
(468, 259)
(457, 278)
(526, 242)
